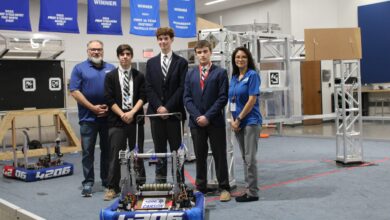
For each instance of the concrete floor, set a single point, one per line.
(298, 179)
(372, 130)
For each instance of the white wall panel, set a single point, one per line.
(312, 14)
(279, 13)
(348, 11)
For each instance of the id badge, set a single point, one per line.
(232, 106)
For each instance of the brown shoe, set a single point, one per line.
(225, 196)
(110, 195)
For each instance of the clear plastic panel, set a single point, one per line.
(28, 45)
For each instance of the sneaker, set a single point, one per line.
(110, 195)
(247, 198)
(225, 196)
(87, 191)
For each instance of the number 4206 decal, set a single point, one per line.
(53, 173)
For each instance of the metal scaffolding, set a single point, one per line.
(265, 48)
(348, 108)
(284, 50)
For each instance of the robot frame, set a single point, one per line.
(47, 167)
(174, 201)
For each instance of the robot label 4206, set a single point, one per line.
(154, 216)
(53, 173)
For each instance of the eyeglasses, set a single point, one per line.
(95, 49)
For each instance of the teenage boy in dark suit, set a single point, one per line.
(205, 97)
(125, 94)
(164, 85)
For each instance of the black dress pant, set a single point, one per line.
(163, 132)
(118, 138)
(217, 137)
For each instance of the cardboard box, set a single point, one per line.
(202, 24)
(271, 66)
(333, 44)
(192, 44)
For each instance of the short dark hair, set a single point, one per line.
(251, 63)
(201, 44)
(122, 48)
(165, 31)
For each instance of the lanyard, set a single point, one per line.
(237, 81)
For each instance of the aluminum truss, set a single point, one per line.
(348, 109)
(284, 50)
(265, 48)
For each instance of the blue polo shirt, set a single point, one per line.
(249, 85)
(89, 80)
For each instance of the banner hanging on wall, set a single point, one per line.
(15, 15)
(104, 17)
(59, 16)
(182, 17)
(145, 17)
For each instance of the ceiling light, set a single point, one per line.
(214, 2)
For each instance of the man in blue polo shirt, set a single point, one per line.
(87, 88)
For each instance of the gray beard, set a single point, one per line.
(96, 61)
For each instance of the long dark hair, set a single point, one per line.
(251, 63)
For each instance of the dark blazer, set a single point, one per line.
(210, 101)
(113, 94)
(168, 93)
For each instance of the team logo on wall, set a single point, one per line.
(55, 84)
(274, 79)
(29, 84)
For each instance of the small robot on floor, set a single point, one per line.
(47, 167)
(154, 200)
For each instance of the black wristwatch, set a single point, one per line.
(238, 119)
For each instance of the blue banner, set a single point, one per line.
(182, 17)
(15, 15)
(59, 16)
(104, 17)
(145, 17)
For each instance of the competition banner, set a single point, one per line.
(145, 17)
(15, 15)
(182, 17)
(104, 17)
(59, 16)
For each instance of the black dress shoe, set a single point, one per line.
(246, 198)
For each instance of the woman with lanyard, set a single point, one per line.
(246, 118)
